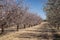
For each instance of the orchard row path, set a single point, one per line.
(31, 33)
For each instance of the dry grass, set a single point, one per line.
(32, 33)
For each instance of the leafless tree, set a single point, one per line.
(13, 13)
(10, 13)
(53, 12)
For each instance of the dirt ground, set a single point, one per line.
(32, 33)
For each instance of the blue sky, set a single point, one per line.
(36, 6)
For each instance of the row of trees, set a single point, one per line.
(52, 9)
(13, 12)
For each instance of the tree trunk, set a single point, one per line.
(58, 28)
(24, 25)
(2, 30)
(17, 27)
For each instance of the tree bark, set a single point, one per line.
(58, 28)
(17, 27)
(24, 25)
(2, 30)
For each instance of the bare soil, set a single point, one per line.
(32, 33)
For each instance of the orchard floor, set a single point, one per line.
(31, 33)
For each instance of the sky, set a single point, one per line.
(36, 6)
